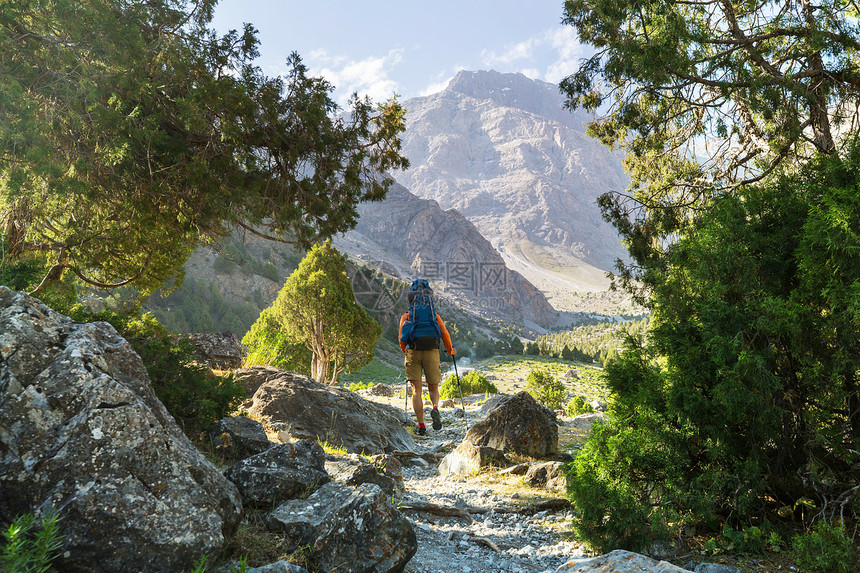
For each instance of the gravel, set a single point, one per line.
(525, 543)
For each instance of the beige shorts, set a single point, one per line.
(426, 360)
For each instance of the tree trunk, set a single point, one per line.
(818, 114)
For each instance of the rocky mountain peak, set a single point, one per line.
(503, 151)
(515, 91)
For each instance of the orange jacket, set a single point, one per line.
(446, 338)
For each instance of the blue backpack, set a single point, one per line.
(421, 331)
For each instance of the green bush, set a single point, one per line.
(30, 544)
(356, 386)
(269, 346)
(472, 383)
(577, 406)
(544, 388)
(825, 549)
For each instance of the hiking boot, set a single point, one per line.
(437, 419)
(421, 430)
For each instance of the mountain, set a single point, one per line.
(409, 237)
(502, 150)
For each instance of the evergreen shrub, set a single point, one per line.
(472, 382)
(545, 388)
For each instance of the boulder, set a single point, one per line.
(282, 472)
(468, 458)
(381, 390)
(492, 403)
(358, 528)
(619, 561)
(521, 425)
(239, 437)
(697, 567)
(300, 408)
(583, 422)
(82, 433)
(548, 474)
(276, 567)
(354, 470)
(218, 351)
(598, 405)
(252, 378)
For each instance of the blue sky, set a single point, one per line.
(379, 48)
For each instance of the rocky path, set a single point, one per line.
(494, 522)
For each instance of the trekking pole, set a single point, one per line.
(462, 403)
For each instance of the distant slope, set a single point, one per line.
(502, 150)
(410, 237)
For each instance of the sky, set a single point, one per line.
(408, 48)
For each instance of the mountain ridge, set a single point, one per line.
(502, 150)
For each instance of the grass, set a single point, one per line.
(376, 372)
(509, 374)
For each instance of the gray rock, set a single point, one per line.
(585, 421)
(468, 458)
(280, 473)
(493, 403)
(521, 425)
(381, 390)
(81, 432)
(278, 567)
(239, 437)
(219, 351)
(358, 529)
(548, 474)
(353, 470)
(619, 561)
(301, 408)
(696, 567)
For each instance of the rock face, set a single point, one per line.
(520, 424)
(620, 561)
(301, 408)
(239, 437)
(280, 473)
(353, 470)
(468, 458)
(219, 351)
(347, 529)
(548, 474)
(502, 150)
(82, 432)
(449, 251)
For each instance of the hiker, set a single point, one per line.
(421, 330)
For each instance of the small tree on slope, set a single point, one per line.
(317, 308)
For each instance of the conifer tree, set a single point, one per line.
(317, 308)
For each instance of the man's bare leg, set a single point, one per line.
(418, 400)
(434, 394)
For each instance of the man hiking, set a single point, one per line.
(421, 330)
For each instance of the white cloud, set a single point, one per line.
(568, 50)
(556, 51)
(436, 87)
(511, 54)
(368, 77)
